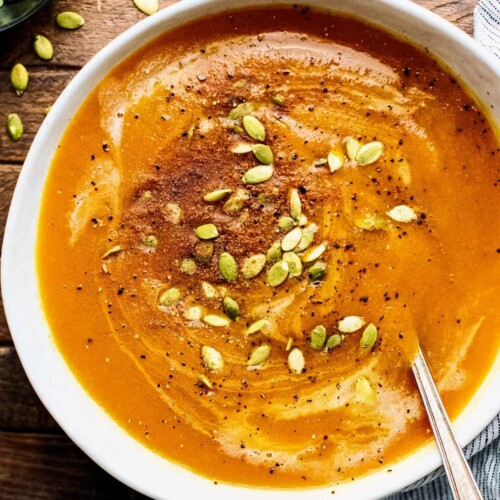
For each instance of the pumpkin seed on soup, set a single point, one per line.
(352, 147)
(218, 195)
(253, 265)
(259, 174)
(231, 308)
(295, 204)
(203, 252)
(206, 232)
(170, 297)
(350, 324)
(302, 220)
(215, 320)
(193, 313)
(70, 20)
(209, 290)
(370, 222)
(212, 358)
(291, 239)
(19, 78)
(236, 201)
(305, 241)
(296, 361)
(277, 274)
(257, 326)
(228, 267)
(334, 341)
(286, 224)
(318, 337)
(289, 344)
(150, 241)
(314, 253)
(263, 153)
(240, 111)
(369, 153)
(363, 388)
(254, 128)
(294, 263)
(188, 266)
(14, 126)
(242, 148)
(206, 381)
(43, 48)
(279, 100)
(259, 355)
(274, 253)
(335, 160)
(317, 271)
(111, 251)
(369, 337)
(402, 213)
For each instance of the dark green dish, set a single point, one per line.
(15, 12)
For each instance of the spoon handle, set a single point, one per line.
(457, 469)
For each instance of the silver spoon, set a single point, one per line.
(462, 482)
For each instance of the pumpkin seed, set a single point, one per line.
(215, 320)
(70, 20)
(206, 381)
(254, 128)
(193, 313)
(257, 326)
(317, 271)
(305, 241)
(318, 337)
(320, 162)
(111, 251)
(209, 290)
(334, 341)
(231, 308)
(363, 388)
(212, 358)
(286, 224)
(206, 232)
(302, 220)
(295, 204)
(352, 147)
(369, 153)
(19, 78)
(203, 252)
(279, 100)
(253, 265)
(188, 266)
(263, 153)
(241, 148)
(294, 263)
(370, 222)
(43, 48)
(296, 361)
(14, 126)
(291, 240)
(259, 355)
(150, 241)
(170, 297)
(350, 324)
(314, 253)
(289, 344)
(241, 110)
(218, 195)
(228, 267)
(335, 160)
(148, 7)
(274, 253)
(277, 274)
(369, 337)
(259, 174)
(402, 213)
(235, 203)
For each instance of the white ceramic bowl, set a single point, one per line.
(82, 419)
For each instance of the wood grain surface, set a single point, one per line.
(37, 460)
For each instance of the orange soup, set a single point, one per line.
(245, 228)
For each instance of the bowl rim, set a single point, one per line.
(26, 323)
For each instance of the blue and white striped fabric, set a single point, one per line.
(484, 451)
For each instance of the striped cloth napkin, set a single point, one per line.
(484, 452)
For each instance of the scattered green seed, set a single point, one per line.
(253, 265)
(317, 271)
(277, 274)
(231, 308)
(334, 341)
(111, 251)
(206, 381)
(259, 355)
(369, 153)
(350, 324)
(70, 20)
(236, 202)
(228, 267)
(263, 153)
(150, 241)
(369, 337)
(274, 253)
(170, 297)
(305, 241)
(240, 111)
(296, 361)
(148, 7)
(314, 253)
(257, 326)
(294, 263)
(291, 239)
(363, 388)
(302, 220)
(254, 128)
(218, 195)
(295, 205)
(193, 313)
(212, 358)
(279, 100)
(402, 213)
(203, 252)
(335, 160)
(286, 224)
(320, 162)
(209, 290)
(206, 232)
(215, 320)
(289, 344)
(19, 78)
(318, 337)
(242, 148)
(14, 126)
(371, 222)
(188, 266)
(259, 174)
(352, 147)
(43, 48)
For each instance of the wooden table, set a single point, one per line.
(37, 460)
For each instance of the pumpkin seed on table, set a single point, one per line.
(257, 326)
(277, 274)
(19, 78)
(291, 239)
(228, 267)
(263, 153)
(148, 7)
(318, 337)
(218, 195)
(369, 153)
(170, 297)
(274, 253)
(241, 110)
(286, 224)
(352, 147)
(206, 232)
(350, 324)
(236, 201)
(296, 361)
(295, 205)
(252, 266)
(203, 252)
(402, 213)
(334, 341)
(259, 174)
(294, 263)
(254, 128)
(70, 20)
(215, 320)
(259, 355)
(317, 271)
(212, 358)
(14, 126)
(43, 48)
(335, 160)
(188, 266)
(150, 241)
(369, 337)
(313, 253)
(111, 251)
(231, 308)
